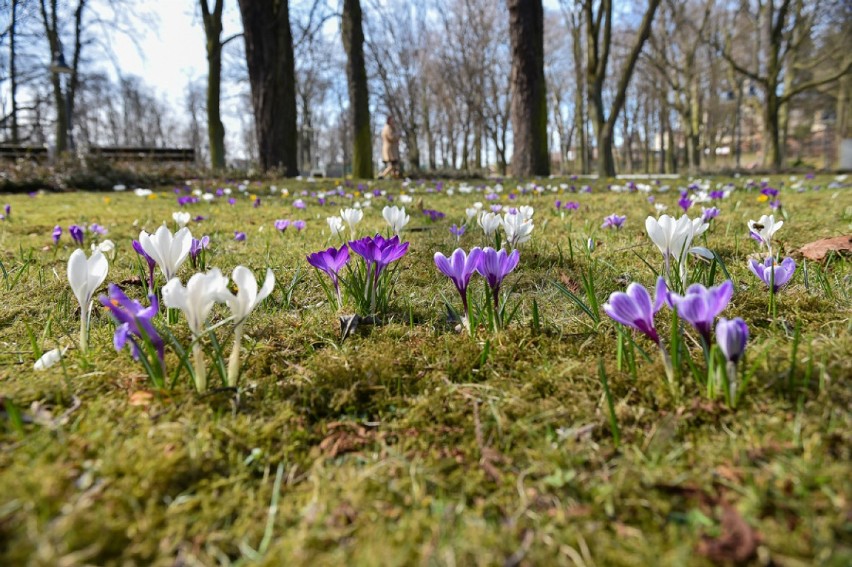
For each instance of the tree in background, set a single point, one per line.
(272, 76)
(598, 44)
(529, 91)
(359, 98)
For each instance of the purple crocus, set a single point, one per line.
(7, 209)
(239, 236)
(614, 221)
(299, 225)
(684, 202)
(769, 192)
(782, 272)
(571, 205)
(282, 225)
(459, 267)
(232, 201)
(299, 204)
(331, 261)
(150, 261)
(196, 248)
(700, 306)
(732, 336)
(134, 323)
(433, 214)
(256, 203)
(709, 214)
(378, 251)
(457, 231)
(57, 232)
(494, 266)
(633, 308)
(97, 229)
(76, 233)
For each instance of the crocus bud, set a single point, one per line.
(732, 336)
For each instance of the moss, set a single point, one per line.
(411, 443)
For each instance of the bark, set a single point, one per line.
(13, 75)
(359, 98)
(272, 75)
(529, 92)
(215, 129)
(582, 152)
(599, 39)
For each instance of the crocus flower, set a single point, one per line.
(684, 202)
(517, 228)
(196, 300)
(379, 251)
(674, 238)
(48, 359)
(764, 229)
(95, 228)
(709, 214)
(433, 214)
(57, 233)
(331, 261)
(7, 208)
(457, 231)
(351, 217)
(614, 221)
(299, 204)
(299, 225)
(232, 201)
(134, 323)
(168, 250)
(489, 222)
(732, 336)
(571, 205)
(198, 246)
(396, 218)
(700, 306)
(633, 308)
(85, 275)
(239, 236)
(242, 304)
(181, 218)
(459, 267)
(494, 266)
(782, 272)
(282, 224)
(335, 225)
(150, 261)
(76, 233)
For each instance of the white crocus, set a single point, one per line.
(526, 212)
(764, 229)
(196, 300)
(406, 199)
(242, 304)
(335, 224)
(49, 358)
(490, 222)
(517, 229)
(674, 239)
(85, 276)
(168, 251)
(351, 217)
(107, 248)
(396, 218)
(471, 212)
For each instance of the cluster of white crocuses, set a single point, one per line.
(674, 238)
(196, 300)
(516, 223)
(394, 216)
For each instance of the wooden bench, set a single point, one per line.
(186, 155)
(33, 153)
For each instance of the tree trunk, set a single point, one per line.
(272, 75)
(359, 98)
(529, 93)
(13, 74)
(215, 129)
(772, 135)
(582, 150)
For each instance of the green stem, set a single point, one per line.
(84, 330)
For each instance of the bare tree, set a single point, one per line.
(359, 98)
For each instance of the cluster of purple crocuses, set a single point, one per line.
(614, 221)
(699, 307)
(365, 285)
(78, 233)
(281, 225)
(493, 265)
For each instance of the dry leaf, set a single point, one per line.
(818, 249)
(737, 543)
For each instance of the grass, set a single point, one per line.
(409, 443)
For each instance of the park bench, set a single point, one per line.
(186, 155)
(12, 153)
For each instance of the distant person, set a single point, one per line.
(390, 150)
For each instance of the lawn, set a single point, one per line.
(412, 441)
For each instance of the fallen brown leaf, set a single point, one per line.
(737, 543)
(818, 249)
